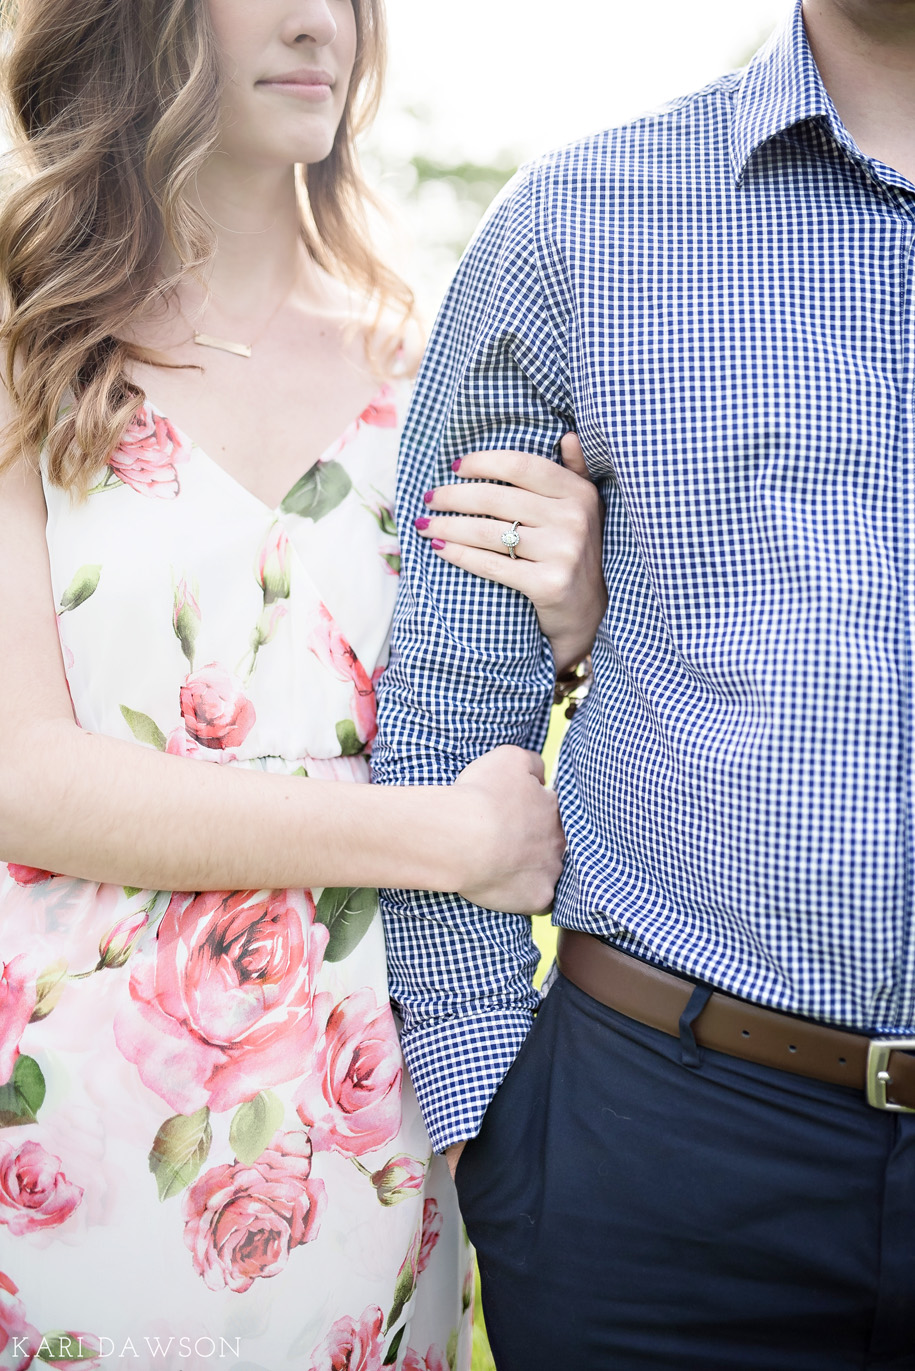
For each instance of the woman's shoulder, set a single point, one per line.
(391, 346)
(404, 342)
(379, 337)
(391, 334)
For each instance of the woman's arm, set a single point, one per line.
(557, 562)
(93, 806)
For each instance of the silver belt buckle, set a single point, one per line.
(878, 1077)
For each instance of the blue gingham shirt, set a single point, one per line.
(721, 298)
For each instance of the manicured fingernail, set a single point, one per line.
(421, 523)
(456, 464)
(429, 497)
(437, 544)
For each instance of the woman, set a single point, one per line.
(221, 597)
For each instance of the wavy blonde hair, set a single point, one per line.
(116, 105)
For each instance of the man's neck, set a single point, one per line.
(865, 52)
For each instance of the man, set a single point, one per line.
(721, 298)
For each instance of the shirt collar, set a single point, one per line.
(780, 88)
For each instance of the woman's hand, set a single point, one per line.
(560, 518)
(512, 839)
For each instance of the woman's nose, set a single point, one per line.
(312, 21)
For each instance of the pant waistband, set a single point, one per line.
(882, 1068)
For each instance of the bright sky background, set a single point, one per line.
(498, 81)
(525, 75)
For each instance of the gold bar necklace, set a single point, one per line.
(206, 340)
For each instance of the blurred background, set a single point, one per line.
(478, 87)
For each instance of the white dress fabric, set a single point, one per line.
(210, 1154)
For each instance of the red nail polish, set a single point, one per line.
(456, 464)
(422, 522)
(429, 497)
(437, 544)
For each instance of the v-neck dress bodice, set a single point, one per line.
(283, 613)
(209, 1149)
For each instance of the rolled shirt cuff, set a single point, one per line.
(457, 1065)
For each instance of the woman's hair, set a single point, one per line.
(116, 103)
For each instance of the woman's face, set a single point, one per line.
(286, 65)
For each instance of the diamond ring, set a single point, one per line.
(511, 538)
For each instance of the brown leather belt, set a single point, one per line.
(881, 1067)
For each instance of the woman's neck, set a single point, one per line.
(259, 256)
(865, 52)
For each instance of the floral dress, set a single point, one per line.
(210, 1154)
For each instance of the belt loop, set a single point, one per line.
(689, 1048)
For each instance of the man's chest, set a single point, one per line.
(743, 370)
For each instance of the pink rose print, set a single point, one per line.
(398, 1179)
(432, 1231)
(147, 455)
(381, 412)
(215, 710)
(388, 551)
(269, 621)
(330, 647)
(29, 875)
(18, 997)
(351, 1346)
(67, 653)
(351, 1097)
(186, 619)
(19, 1341)
(34, 1192)
(467, 1290)
(116, 946)
(178, 744)
(273, 569)
(222, 997)
(434, 1360)
(243, 1221)
(391, 556)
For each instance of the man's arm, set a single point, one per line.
(469, 667)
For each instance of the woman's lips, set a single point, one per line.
(307, 83)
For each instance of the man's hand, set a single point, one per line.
(452, 1154)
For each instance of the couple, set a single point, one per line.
(659, 1174)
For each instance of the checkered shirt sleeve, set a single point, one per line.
(470, 669)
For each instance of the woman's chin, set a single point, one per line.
(303, 149)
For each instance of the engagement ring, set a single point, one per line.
(511, 538)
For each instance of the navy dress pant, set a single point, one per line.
(638, 1203)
